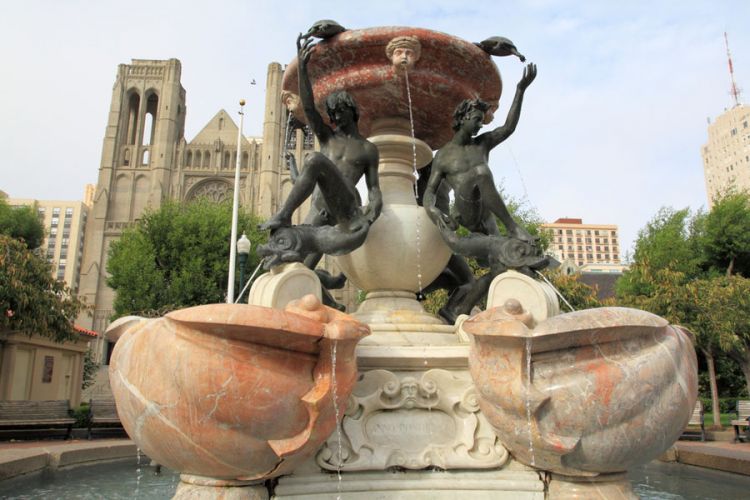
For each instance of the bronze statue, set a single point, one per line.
(501, 47)
(330, 176)
(463, 164)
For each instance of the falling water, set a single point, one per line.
(528, 398)
(138, 473)
(334, 388)
(556, 291)
(416, 193)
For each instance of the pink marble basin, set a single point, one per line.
(449, 70)
(604, 389)
(234, 392)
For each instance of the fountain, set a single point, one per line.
(489, 405)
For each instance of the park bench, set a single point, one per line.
(103, 413)
(743, 419)
(25, 415)
(696, 419)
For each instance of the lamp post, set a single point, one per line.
(235, 209)
(243, 250)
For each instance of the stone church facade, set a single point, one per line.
(147, 160)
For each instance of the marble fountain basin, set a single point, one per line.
(233, 392)
(449, 70)
(584, 393)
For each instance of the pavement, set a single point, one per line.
(24, 457)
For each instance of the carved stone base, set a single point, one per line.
(204, 488)
(602, 487)
(413, 420)
(514, 481)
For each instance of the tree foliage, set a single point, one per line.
(21, 222)
(726, 239)
(176, 256)
(691, 269)
(31, 300)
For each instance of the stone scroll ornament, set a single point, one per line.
(233, 392)
(413, 421)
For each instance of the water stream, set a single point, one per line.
(334, 387)
(414, 168)
(528, 399)
(138, 473)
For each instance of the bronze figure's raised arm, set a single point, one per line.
(463, 164)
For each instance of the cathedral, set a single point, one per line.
(146, 160)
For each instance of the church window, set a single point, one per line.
(221, 123)
(149, 128)
(309, 141)
(197, 163)
(189, 161)
(134, 104)
(126, 157)
(146, 157)
(225, 163)
(244, 159)
(206, 159)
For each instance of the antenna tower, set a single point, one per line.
(735, 91)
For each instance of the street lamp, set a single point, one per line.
(235, 208)
(243, 251)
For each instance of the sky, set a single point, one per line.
(610, 131)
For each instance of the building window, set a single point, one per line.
(55, 211)
(309, 139)
(69, 212)
(55, 221)
(53, 232)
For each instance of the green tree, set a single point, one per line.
(727, 235)
(176, 256)
(577, 293)
(669, 241)
(21, 222)
(679, 273)
(31, 301)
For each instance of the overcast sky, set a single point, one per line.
(610, 132)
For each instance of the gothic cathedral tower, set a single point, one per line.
(144, 132)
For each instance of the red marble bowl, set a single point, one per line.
(234, 392)
(449, 70)
(608, 388)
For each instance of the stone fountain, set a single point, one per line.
(518, 401)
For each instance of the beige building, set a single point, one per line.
(36, 368)
(584, 244)
(64, 226)
(726, 155)
(146, 160)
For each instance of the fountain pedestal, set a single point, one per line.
(404, 251)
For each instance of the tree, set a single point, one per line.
(724, 309)
(727, 234)
(577, 293)
(669, 241)
(31, 301)
(21, 222)
(683, 271)
(176, 256)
